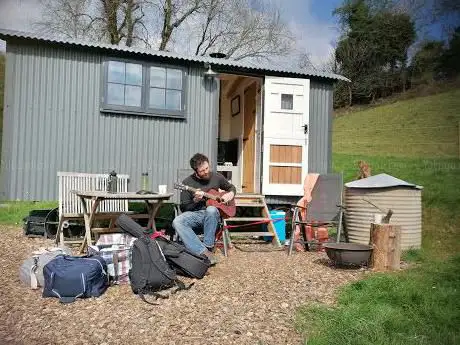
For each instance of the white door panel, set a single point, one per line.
(285, 149)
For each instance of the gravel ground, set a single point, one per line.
(248, 298)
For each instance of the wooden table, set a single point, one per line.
(153, 202)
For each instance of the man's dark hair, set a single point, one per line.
(197, 160)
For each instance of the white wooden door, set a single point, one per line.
(285, 135)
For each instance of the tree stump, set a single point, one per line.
(386, 242)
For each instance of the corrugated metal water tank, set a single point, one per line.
(364, 197)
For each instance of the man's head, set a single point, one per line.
(200, 164)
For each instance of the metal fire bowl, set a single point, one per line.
(348, 253)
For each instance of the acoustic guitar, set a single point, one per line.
(214, 199)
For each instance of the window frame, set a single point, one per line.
(145, 108)
(291, 101)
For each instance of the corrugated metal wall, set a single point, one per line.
(320, 132)
(320, 135)
(52, 123)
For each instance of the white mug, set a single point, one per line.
(162, 188)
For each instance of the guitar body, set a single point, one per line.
(226, 210)
(213, 199)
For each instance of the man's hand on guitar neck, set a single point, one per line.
(198, 196)
(227, 197)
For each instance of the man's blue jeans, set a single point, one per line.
(188, 222)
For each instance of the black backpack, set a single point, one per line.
(183, 261)
(150, 272)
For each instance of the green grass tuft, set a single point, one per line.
(13, 212)
(414, 255)
(419, 306)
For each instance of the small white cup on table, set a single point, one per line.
(162, 189)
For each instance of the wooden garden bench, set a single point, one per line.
(70, 205)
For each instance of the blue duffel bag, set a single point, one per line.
(70, 277)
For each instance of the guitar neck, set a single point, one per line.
(207, 195)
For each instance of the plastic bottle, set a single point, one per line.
(145, 181)
(112, 182)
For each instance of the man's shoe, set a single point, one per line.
(212, 259)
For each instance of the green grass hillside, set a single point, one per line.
(403, 139)
(416, 140)
(419, 127)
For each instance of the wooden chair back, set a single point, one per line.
(69, 203)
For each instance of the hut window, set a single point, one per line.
(287, 101)
(133, 87)
(165, 88)
(124, 84)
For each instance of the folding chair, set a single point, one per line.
(324, 210)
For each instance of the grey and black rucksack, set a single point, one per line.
(150, 272)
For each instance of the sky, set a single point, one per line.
(311, 21)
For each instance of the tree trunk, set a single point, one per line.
(129, 22)
(167, 28)
(386, 241)
(111, 14)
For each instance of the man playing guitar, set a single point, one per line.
(196, 214)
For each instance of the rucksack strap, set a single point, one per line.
(143, 298)
(169, 275)
(141, 293)
(33, 274)
(181, 286)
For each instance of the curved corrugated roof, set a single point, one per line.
(380, 181)
(225, 63)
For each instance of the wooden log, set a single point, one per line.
(386, 242)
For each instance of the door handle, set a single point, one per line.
(305, 128)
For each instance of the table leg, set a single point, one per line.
(152, 208)
(89, 217)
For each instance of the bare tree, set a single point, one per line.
(67, 18)
(174, 13)
(306, 63)
(242, 29)
(123, 20)
(115, 21)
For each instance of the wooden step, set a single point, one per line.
(248, 234)
(245, 219)
(249, 195)
(249, 204)
(251, 201)
(71, 242)
(106, 230)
